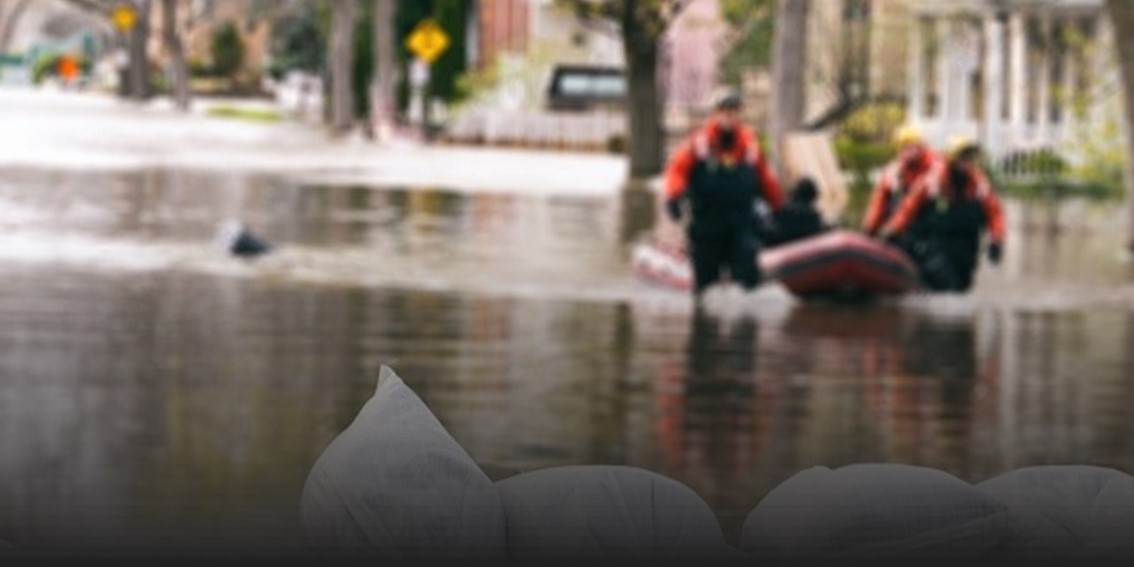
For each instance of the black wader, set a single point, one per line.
(945, 242)
(725, 228)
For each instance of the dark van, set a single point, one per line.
(579, 88)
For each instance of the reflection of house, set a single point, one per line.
(999, 70)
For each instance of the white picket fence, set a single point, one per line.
(1026, 164)
(589, 131)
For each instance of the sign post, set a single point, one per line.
(125, 18)
(428, 41)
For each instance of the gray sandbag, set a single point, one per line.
(608, 513)
(1067, 511)
(873, 511)
(396, 485)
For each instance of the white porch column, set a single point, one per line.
(1045, 82)
(993, 80)
(1019, 77)
(1104, 35)
(945, 98)
(1070, 91)
(966, 45)
(916, 105)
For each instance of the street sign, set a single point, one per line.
(124, 16)
(428, 41)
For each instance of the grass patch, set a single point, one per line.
(248, 114)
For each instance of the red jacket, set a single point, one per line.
(937, 181)
(703, 144)
(900, 174)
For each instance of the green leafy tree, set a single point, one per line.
(227, 50)
(752, 23)
(298, 43)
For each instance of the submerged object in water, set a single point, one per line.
(234, 238)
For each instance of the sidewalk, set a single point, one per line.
(91, 131)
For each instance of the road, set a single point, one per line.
(70, 131)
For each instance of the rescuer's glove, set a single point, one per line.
(994, 253)
(673, 208)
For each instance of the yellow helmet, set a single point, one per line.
(908, 135)
(960, 145)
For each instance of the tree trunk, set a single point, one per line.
(342, 66)
(139, 70)
(646, 143)
(176, 50)
(383, 92)
(789, 61)
(10, 14)
(1122, 19)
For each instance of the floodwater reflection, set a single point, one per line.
(175, 405)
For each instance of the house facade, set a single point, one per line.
(1018, 75)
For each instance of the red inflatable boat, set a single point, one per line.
(836, 264)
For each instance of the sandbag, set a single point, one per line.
(873, 511)
(608, 513)
(1067, 511)
(396, 485)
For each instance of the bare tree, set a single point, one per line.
(1122, 19)
(10, 13)
(385, 62)
(138, 73)
(341, 65)
(789, 61)
(178, 65)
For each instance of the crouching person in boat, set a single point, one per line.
(798, 219)
(723, 174)
(941, 223)
(914, 161)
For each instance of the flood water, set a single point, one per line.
(154, 392)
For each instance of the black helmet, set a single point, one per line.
(728, 99)
(806, 191)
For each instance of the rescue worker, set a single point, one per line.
(941, 222)
(798, 219)
(724, 175)
(915, 158)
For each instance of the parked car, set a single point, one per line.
(580, 88)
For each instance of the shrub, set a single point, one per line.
(227, 50)
(863, 143)
(873, 123)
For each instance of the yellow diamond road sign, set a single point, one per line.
(124, 17)
(428, 41)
